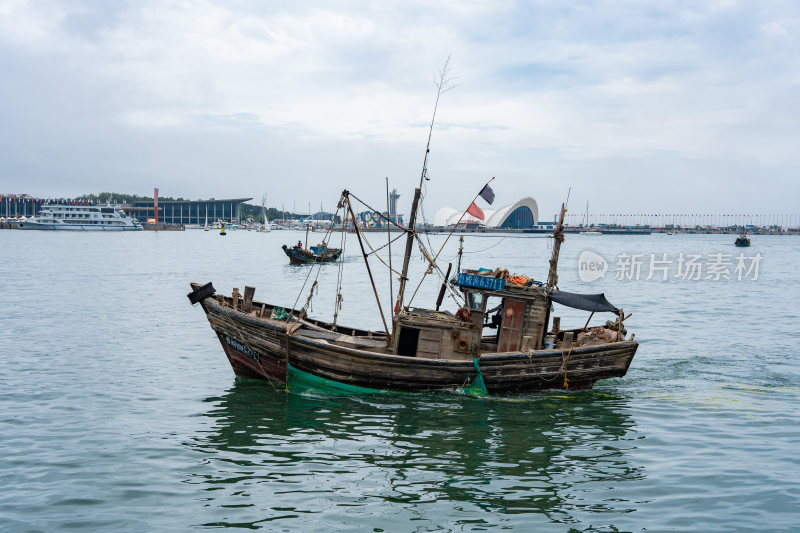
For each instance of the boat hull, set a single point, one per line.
(265, 349)
(303, 257)
(74, 227)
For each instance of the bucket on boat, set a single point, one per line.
(549, 341)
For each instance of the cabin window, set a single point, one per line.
(476, 300)
(407, 342)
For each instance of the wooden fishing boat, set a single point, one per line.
(428, 349)
(742, 240)
(316, 254)
(423, 349)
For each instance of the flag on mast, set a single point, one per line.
(475, 211)
(487, 194)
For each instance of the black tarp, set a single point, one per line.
(595, 303)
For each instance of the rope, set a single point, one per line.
(489, 248)
(433, 265)
(405, 230)
(318, 265)
(244, 340)
(444, 243)
(375, 252)
(561, 369)
(469, 372)
(307, 307)
(564, 361)
(384, 246)
(422, 210)
(338, 303)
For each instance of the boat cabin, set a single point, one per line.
(520, 319)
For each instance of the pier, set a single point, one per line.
(163, 227)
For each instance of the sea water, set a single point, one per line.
(119, 411)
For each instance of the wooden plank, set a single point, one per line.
(235, 299)
(511, 326)
(248, 298)
(429, 343)
(259, 347)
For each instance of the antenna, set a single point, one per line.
(443, 84)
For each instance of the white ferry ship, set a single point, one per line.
(82, 218)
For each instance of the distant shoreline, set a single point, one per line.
(529, 231)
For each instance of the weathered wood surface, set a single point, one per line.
(261, 347)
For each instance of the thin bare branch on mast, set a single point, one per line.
(444, 83)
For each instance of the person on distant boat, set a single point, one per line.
(299, 245)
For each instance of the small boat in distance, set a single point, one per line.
(742, 240)
(264, 226)
(587, 229)
(316, 254)
(81, 218)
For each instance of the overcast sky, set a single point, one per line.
(639, 107)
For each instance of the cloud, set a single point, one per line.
(317, 93)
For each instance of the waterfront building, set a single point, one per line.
(190, 212)
(523, 214)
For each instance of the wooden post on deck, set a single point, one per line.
(568, 337)
(248, 298)
(398, 306)
(558, 238)
(235, 299)
(444, 286)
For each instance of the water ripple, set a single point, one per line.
(120, 411)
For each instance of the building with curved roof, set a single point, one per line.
(520, 215)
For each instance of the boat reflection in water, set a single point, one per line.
(445, 461)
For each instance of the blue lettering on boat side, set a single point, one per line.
(481, 282)
(252, 354)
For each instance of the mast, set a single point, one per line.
(443, 84)
(264, 220)
(460, 253)
(558, 238)
(407, 256)
(389, 238)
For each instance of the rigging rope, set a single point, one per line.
(489, 248)
(405, 230)
(432, 264)
(318, 265)
(374, 251)
(337, 305)
(385, 245)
